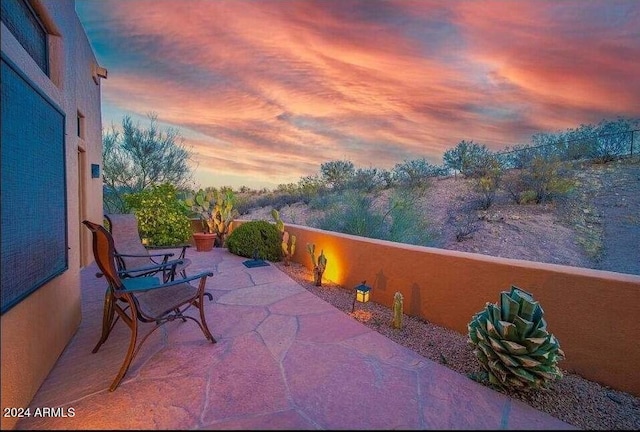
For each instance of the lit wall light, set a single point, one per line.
(361, 295)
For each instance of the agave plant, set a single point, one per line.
(512, 343)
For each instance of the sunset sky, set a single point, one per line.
(265, 91)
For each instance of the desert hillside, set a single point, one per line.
(595, 225)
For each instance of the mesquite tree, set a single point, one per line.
(136, 158)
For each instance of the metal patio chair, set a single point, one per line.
(143, 299)
(131, 254)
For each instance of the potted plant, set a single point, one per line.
(216, 215)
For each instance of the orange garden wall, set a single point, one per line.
(594, 314)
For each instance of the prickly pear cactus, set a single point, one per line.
(512, 343)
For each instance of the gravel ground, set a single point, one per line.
(573, 399)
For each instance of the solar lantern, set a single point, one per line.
(362, 294)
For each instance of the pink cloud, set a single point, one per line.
(303, 82)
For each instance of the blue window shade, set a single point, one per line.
(33, 204)
(25, 26)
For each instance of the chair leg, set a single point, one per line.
(203, 320)
(130, 352)
(107, 319)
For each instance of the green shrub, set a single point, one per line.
(161, 217)
(528, 197)
(336, 174)
(351, 213)
(548, 178)
(407, 223)
(415, 173)
(260, 235)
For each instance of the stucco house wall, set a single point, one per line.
(36, 330)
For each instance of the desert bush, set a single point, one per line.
(252, 235)
(512, 184)
(517, 157)
(546, 178)
(162, 219)
(336, 174)
(366, 180)
(465, 218)
(309, 187)
(486, 187)
(542, 181)
(467, 157)
(415, 173)
(580, 149)
(275, 199)
(528, 197)
(324, 201)
(611, 146)
(489, 174)
(388, 178)
(407, 224)
(245, 202)
(351, 213)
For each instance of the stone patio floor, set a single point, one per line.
(285, 359)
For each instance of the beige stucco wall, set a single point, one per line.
(594, 314)
(36, 331)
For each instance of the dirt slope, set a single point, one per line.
(597, 226)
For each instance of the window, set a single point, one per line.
(33, 203)
(25, 26)
(80, 130)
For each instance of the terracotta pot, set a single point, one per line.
(204, 241)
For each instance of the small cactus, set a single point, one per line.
(512, 343)
(398, 300)
(288, 241)
(318, 266)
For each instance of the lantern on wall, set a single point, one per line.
(362, 294)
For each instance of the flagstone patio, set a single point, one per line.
(284, 359)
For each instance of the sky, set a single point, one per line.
(265, 91)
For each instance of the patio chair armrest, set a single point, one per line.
(151, 283)
(167, 254)
(153, 267)
(183, 248)
(202, 275)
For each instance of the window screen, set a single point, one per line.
(33, 204)
(19, 18)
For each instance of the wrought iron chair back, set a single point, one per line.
(131, 254)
